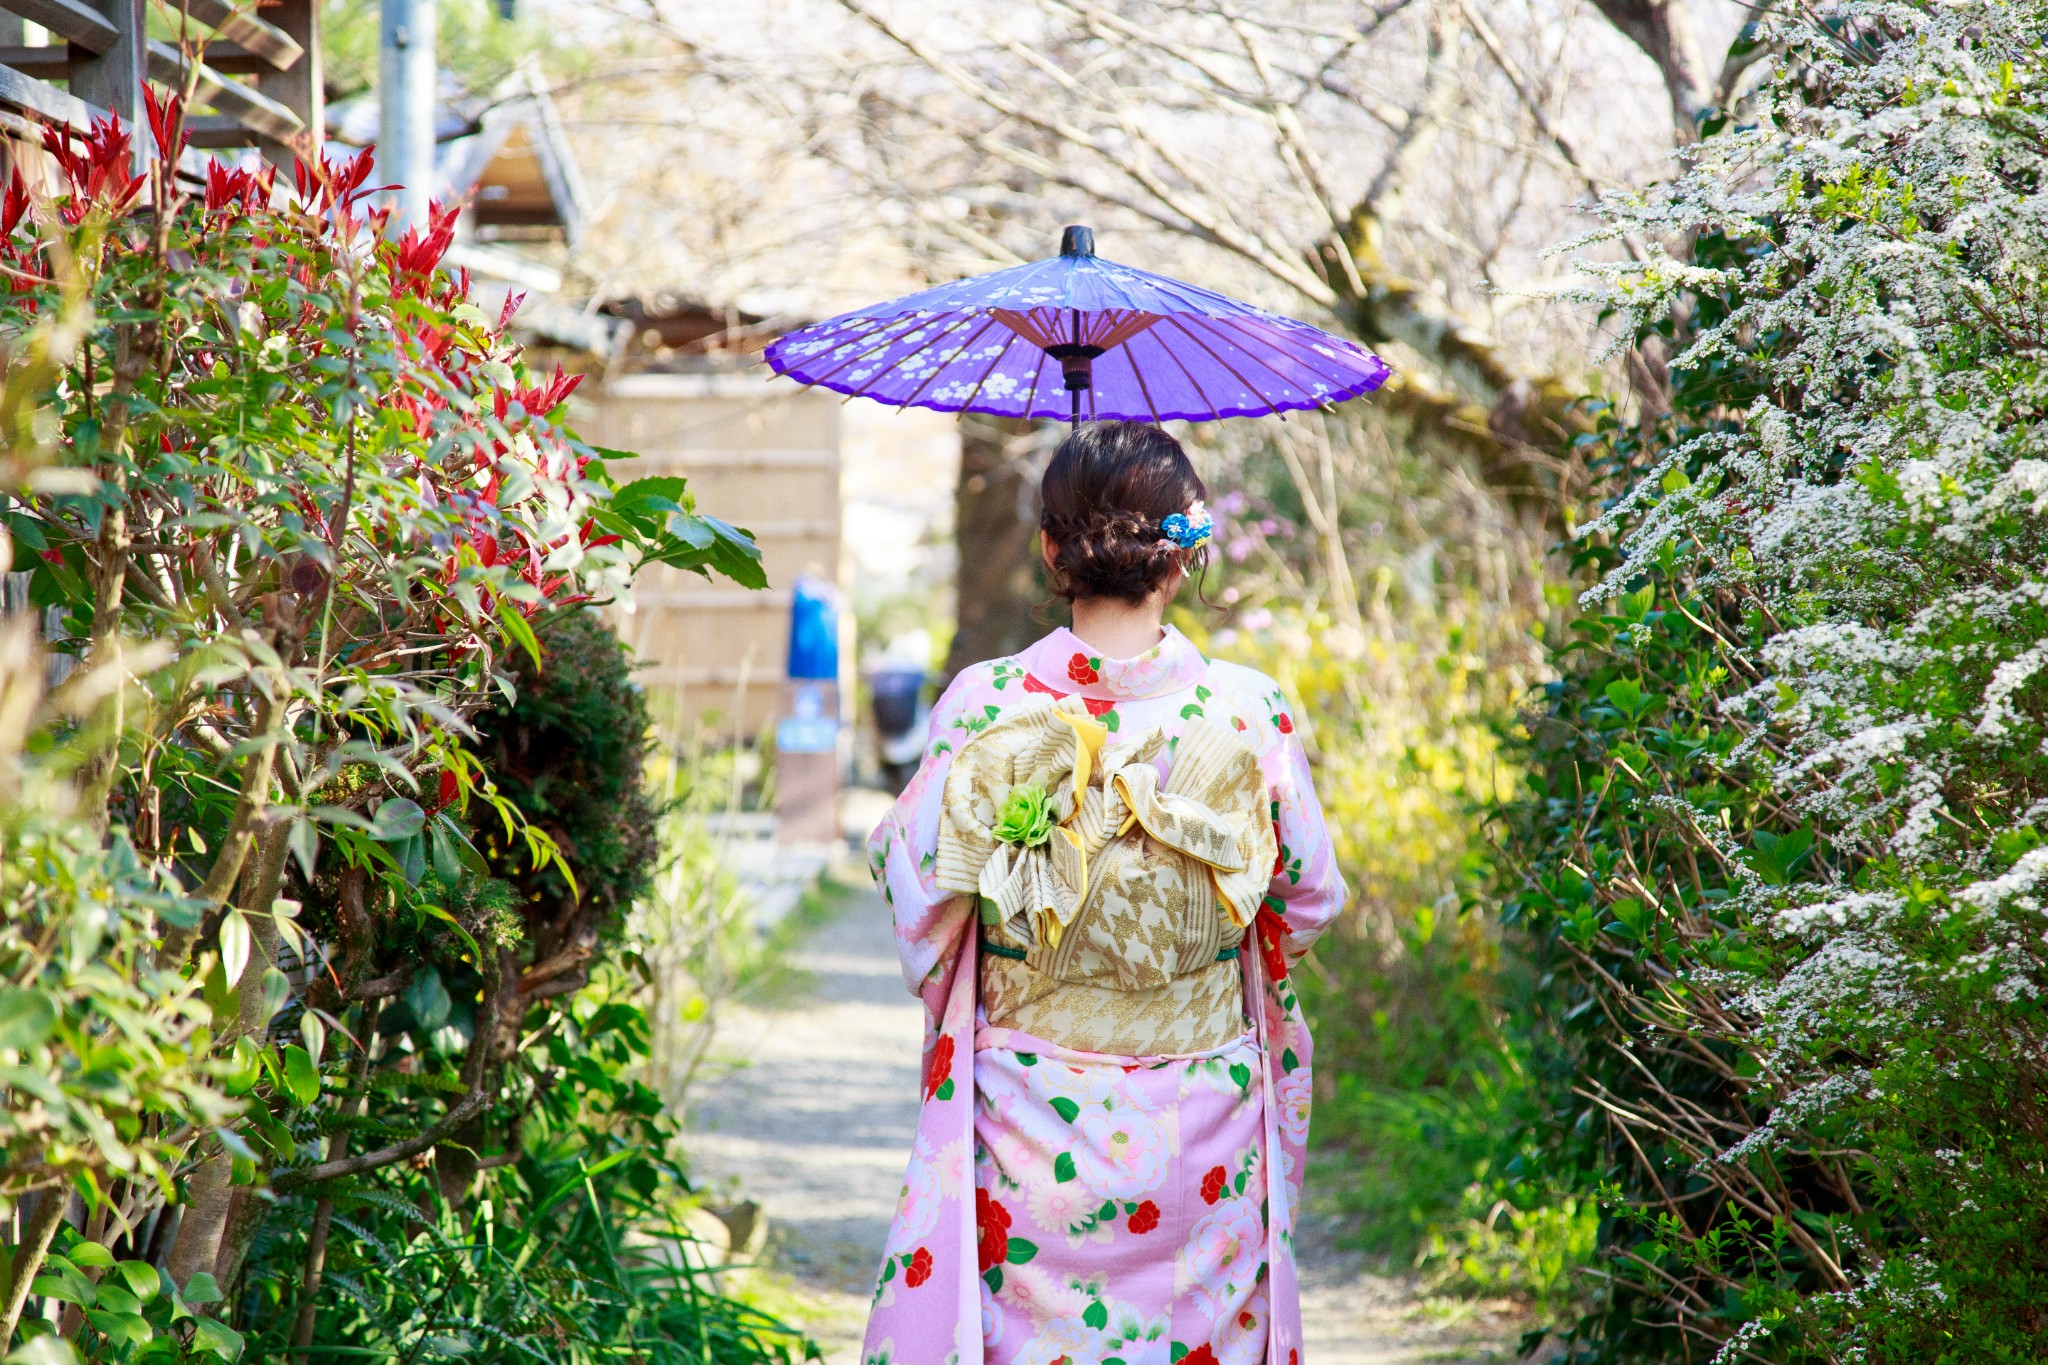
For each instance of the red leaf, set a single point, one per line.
(166, 123)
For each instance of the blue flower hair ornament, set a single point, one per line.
(1191, 528)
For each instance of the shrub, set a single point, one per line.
(1778, 854)
(297, 509)
(570, 753)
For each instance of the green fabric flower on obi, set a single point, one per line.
(1025, 818)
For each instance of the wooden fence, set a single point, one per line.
(258, 78)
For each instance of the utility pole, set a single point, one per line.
(406, 80)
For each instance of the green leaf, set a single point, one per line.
(247, 1063)
(43, 1350)
(689, 540)
(1096, 1315)
(90, 1254)
(277, 988)
(26, 1017)
(1063, 1168)
(65, 1289)
(510, 617)
(1021, 1251)
(1241, 1074)
(234, 945)
(217, 1337)
(447, 856)
(1066, 1108)
(643, 505)
(428, 1000)
(304, 842)
(301, 1077)
(201, 1288)
(116, 1299)
(126, 1329)
(399, 817)
(141, 1278)
(945, 1090)
(1626, 696)
(412, 858)
(993, 1278)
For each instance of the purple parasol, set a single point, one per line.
(1078, 336)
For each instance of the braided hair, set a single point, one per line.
(1105, 497)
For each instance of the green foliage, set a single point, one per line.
(1394, 600)
(570, 753)
(569, 1247)
(1775, 859)
(300, 515)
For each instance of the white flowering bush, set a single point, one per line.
(1782, 847)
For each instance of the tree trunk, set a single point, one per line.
(206, 1216)
(28, 1257)
(1000, 581)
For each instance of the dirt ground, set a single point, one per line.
(811, 1111)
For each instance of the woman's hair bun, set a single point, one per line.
(1105, 495)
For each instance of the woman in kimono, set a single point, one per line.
(1101, 874)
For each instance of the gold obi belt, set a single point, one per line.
(1113, 905)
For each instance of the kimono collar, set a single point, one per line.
(1062, 661)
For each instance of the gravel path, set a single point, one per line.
(814, 1119)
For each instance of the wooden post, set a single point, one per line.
(112, 80)
(301, 89)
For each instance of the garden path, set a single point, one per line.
(811, 1112)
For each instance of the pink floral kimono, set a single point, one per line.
(1131, 1202)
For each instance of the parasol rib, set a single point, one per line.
(1254, 357)
(1271, 406)
(1138, 373)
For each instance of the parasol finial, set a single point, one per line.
(1077, 241)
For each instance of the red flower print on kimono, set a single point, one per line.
(1032, 684)
(993, 1221)
(938, 1078)
(920, 1268)
(1144, 1218)
(1081, 669)
(1099, 706)
(1213, 1185)
(1271, 930)
(1284, 723)
(1201, 1355)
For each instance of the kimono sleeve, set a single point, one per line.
(903, 851)
(1307, 891)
